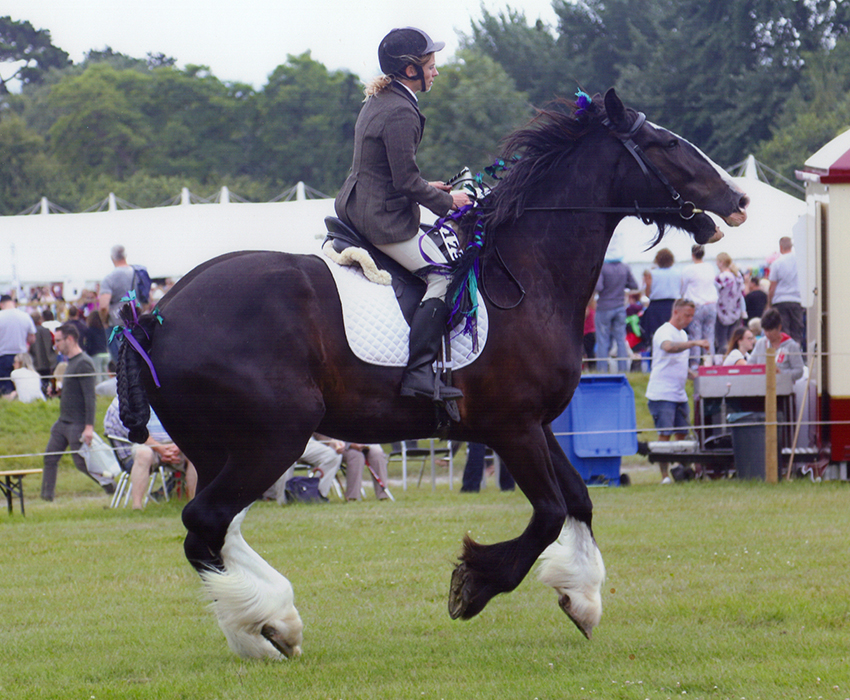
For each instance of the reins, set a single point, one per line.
(686, 210)
(511, 278)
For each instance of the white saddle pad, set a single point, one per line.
(375, 327)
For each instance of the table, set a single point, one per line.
(13, 485)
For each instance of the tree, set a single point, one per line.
(102, 127)
(528, 54)
(472, 106)
(716, 72)
(201, 125)
(19, 181)
(305, 125)
(816, 111)
(27, 172)
(30, 49)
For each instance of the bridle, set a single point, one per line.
(686, 210)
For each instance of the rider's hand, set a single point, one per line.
(441, 186)
(460, 199)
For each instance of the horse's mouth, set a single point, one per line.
(736, 219)
(739, 216)
(718, 234)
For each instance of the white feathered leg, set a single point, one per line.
(573, 566)
(252, 601)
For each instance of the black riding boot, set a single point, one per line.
(426, 334)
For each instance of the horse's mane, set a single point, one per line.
(541, 145)
(534, 153)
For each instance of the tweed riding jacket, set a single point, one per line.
(381, 196)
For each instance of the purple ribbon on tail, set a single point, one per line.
(128, 336)
(126, 333)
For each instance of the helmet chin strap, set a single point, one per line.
(420, 75)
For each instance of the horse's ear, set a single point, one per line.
(616, 111)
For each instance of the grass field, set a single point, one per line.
(714, 590)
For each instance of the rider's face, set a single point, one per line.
(429, 72)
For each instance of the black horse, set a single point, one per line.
(252, 358)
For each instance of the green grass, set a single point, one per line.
(714, 590)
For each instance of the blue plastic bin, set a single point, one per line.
(602, 403)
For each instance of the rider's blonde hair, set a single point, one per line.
(382, 82)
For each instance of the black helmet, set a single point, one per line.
(400, 44)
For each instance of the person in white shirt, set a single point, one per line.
(698, 286)
(665, 392)
(740, 346)
(784, 294)
(17, 333)
(26, 380)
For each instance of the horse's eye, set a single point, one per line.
(672, 143)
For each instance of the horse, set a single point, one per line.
(246, 357)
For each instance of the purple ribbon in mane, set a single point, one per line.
(126, 333)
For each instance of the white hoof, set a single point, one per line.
(573, 566)
(254, 603)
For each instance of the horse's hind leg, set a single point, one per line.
(486, 570)
(253, 602)
(572, 564)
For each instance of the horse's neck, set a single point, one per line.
(557, 259)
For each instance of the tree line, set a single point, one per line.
(769, 77)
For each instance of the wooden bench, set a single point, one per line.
(13, 485)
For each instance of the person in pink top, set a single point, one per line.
(589, 335)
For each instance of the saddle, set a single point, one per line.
(408, 288)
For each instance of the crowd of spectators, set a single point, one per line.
(55, 347)
(620, 320)
(691, 315)
(52, 346)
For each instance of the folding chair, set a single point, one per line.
(124, 486)
(410, 449)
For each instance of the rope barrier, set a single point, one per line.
(626, 431)
(63, 452)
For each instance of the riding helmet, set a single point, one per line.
(399, 45)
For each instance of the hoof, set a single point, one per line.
(584, 627)
(286, 641)
(458, 592)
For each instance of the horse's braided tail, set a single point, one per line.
(134, 409)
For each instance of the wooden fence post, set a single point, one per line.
(771, 452)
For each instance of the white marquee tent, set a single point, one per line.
(170, 241)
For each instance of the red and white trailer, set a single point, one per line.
(826, 175)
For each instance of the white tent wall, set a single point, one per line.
(169, 241)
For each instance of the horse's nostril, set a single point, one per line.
(744, 202)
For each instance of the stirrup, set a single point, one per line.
(447, 393)
(451, 409)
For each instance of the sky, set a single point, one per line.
(245, 40)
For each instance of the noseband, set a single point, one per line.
(685, 210)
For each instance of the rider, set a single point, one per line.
(381, 196)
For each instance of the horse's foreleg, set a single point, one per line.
(253, 602)
(487, 570)
(572, 564)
